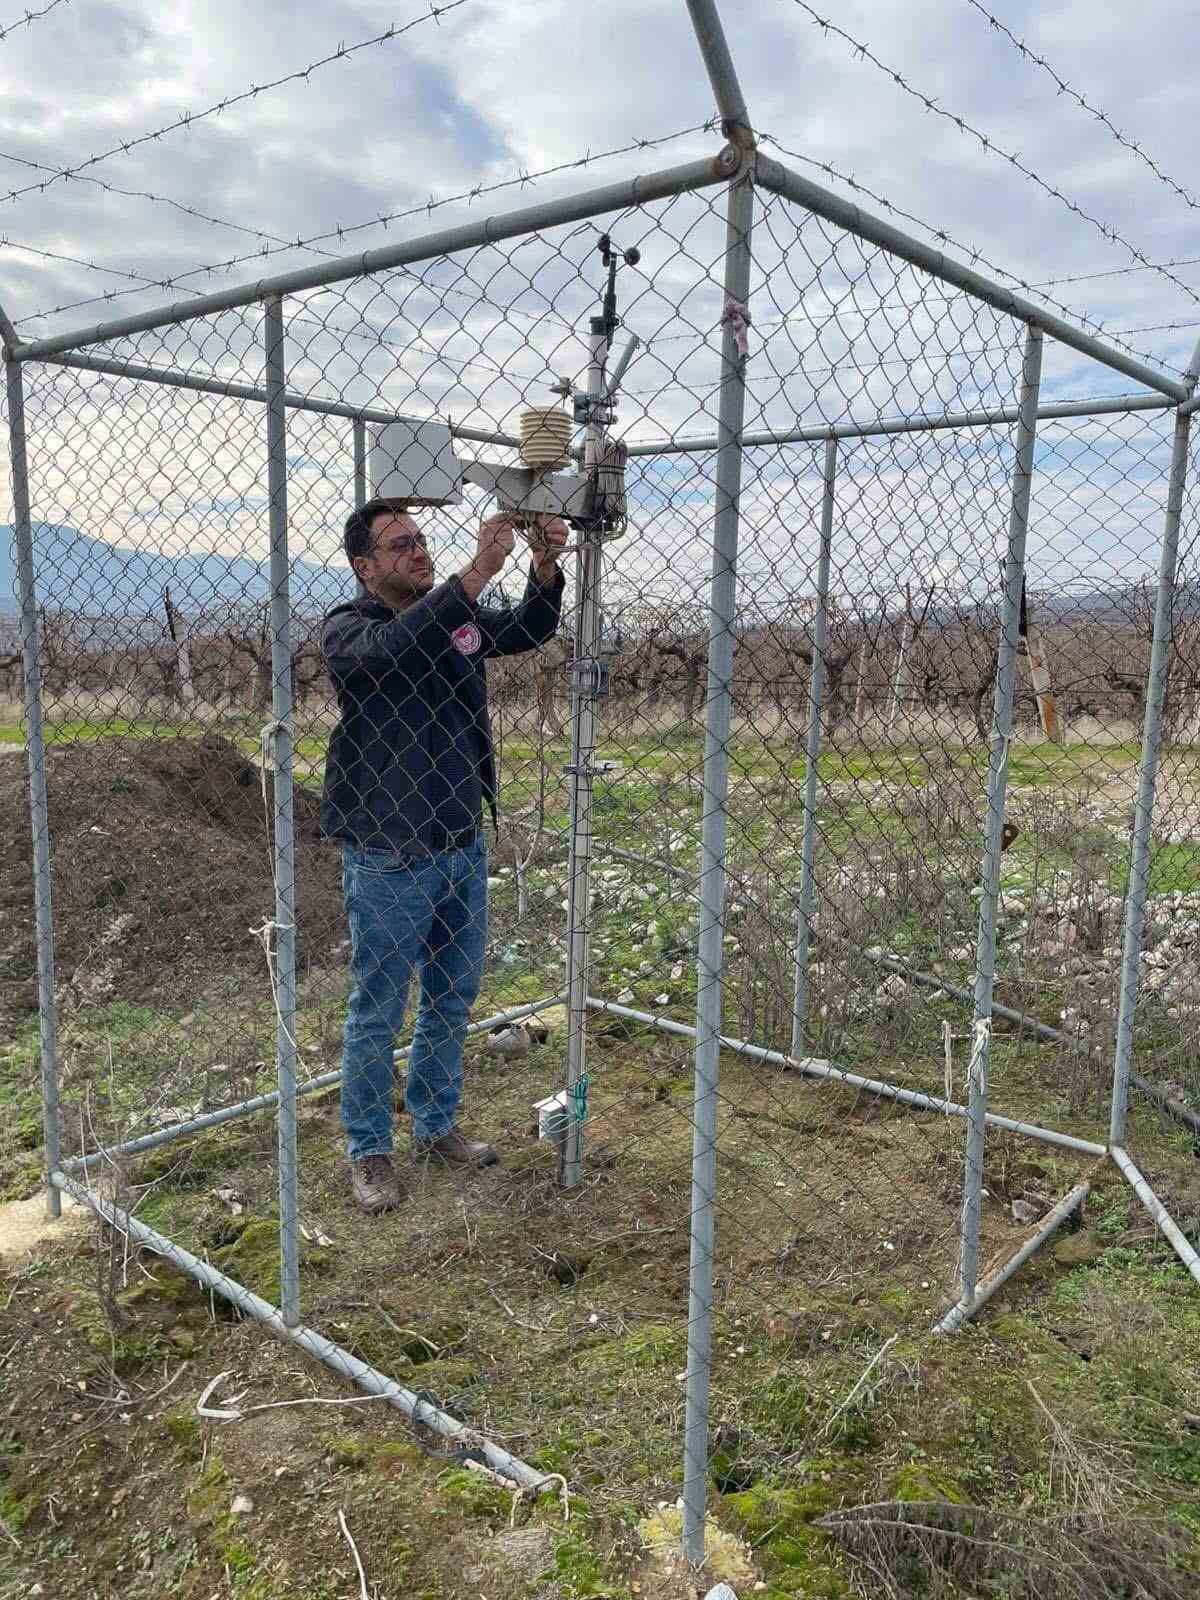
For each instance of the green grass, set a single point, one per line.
(1174, 868)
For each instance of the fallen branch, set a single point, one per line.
(857, 1389)
(230, 1412)
(349, 1537)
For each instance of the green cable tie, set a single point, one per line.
(579, 1097)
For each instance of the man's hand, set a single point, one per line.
(547, 539)
(497, 535)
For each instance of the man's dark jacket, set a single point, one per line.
(410, 764)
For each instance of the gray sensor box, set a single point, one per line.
(414, 461)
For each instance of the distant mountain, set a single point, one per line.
(83, 575)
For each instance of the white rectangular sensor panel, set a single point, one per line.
(415, 461)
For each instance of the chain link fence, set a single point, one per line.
(836, 749)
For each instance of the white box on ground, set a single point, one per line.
(415, 461)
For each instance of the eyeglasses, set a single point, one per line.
(404, 544)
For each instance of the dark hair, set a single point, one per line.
(356, 536)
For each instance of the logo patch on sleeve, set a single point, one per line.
(467, 639)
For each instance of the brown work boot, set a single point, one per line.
(456, 1151)
(375, 1184)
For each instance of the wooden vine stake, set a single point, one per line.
(1039, 675)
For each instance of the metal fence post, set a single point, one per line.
(1139, 860)
(280, 729)
(807, 906)
(35, 735)
(710, 951)
(997, 789)
(585, 686)
(360, 463)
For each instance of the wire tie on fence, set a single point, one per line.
(579, 1098)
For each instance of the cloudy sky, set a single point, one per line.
(495, 89)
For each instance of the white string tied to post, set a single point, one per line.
(269, 927)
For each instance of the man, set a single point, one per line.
(409, 771)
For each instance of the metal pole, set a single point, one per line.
(824, 1072)
(807, 906)
(35, 736)
(585, 686)
(284, 959)
(710, 948)
(997, 788)
(781, 180)
(369, 1379)
(1049, 1225)
(361, 493)
(1179, 1240)
(1143, 819)
(949, 421)
(722, 74)
(528, 220)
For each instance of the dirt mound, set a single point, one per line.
(161, 865)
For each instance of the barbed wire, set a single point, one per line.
(30, 16)
(972, 252)
(342, 231)
(144, 194)
(1084, 104)
(190, 118)
(991, 147)
(7, 243)
(1121, 272)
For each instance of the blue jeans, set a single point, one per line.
(426, 916)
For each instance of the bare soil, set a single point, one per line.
(161, 866)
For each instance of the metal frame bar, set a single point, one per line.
(781, 180)
(965, 1310)
(425, 247)
(283, 960)
(997, 791)
(711, 888)
(137, 371)
(369, 1379)
(824, 1071)
(722, 74)
(36, 759)
(929, 980)
(1025, 1024)
(1178, 1239)
(266, 1102)
(818, 433)
(806, 907)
